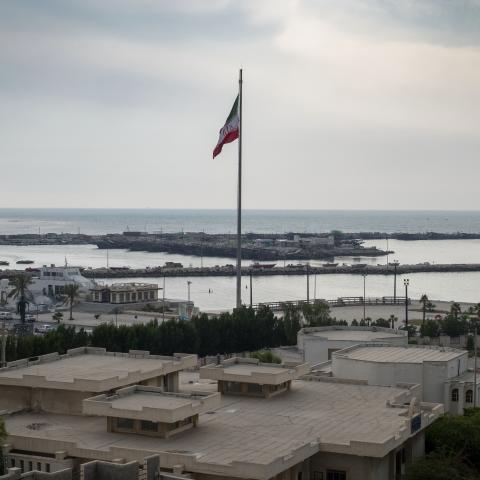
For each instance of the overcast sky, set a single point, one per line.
(347, 103)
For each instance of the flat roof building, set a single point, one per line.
(434, 368)
(318, 343)
(81, 373)
(318, 427)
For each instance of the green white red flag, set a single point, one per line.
(230, 131)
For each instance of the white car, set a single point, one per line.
(41, 329)
(6, 316)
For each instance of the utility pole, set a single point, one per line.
(3, 362)
(475, 365)
(406, 283)
(395, 265)
(251, 291)
(364, 275)
(188, 286)
(308, 283)
(163, 300)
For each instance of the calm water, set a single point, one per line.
(445, 286)
(98, 221)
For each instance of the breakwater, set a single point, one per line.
(229, 271)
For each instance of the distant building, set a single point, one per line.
(442, 372)
(318, 343)
(121, 293)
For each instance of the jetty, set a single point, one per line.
(177, 270)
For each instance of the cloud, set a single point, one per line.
(339, 96)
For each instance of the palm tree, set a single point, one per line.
(424, 301)
(72, 293)
(21, 292)
(455, 309)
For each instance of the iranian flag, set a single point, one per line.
(229, 132)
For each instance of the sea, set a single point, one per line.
(218, 293)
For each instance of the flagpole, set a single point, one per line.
(239, 195)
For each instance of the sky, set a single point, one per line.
(348, 104)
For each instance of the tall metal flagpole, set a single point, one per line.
(239, 197)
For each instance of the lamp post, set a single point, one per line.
(308, 283)
(406, 282)
(188, 287)
(163, 299)
(364, 275)
(251, 291)
(395, 265)
(475, 365)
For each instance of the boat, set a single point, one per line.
(263, 266)
(4, 263)
(24, 262)
(330, 265)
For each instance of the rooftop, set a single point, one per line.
(151, 403)
(410, 354)
(245, 436)
(91, 369)
(362, 334)
(250, 370)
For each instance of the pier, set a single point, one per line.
(229, 270)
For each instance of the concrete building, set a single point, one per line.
(121, 293)
(90, 406)
(442, 372)
(59, 383)
(247, 376)
(318, 343)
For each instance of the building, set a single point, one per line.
(121, 293)
(269, 422)
(318, 343)
(442, 372)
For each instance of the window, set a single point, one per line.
(455, 395)
(30, 466)
(149, 426)
(336, 475)
(39, 466)
(152, 295)
(254, 388)
(125, 423)
(12, 462)
(22, 466)
(469, 396)
(47, 467)
(317, 476)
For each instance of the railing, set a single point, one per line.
(338, 302)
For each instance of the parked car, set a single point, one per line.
(41, 329)
(30, 318)
(6, 316)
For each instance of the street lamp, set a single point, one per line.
(308, 283)
(395, 265)
(188, 286)
(364, 275)
(406, 282)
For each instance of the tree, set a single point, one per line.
(57, 316)
(354, 323)
(455, 309)
(72, 294)
(440, 467)
(3, 437)
(411, 329)
(430, 328)
(470, 343)
(381, 322)
(317, 314)
(21, 292)
(266, 356)
(452, 326)
(424, 301)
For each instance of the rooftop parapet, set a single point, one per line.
(151, 403)
(251, 370)
(247, 376)
(91, 369)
